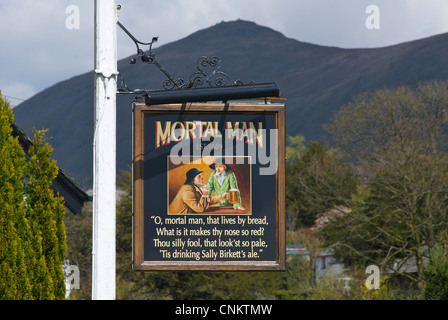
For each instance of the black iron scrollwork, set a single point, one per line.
(216, 77)
(208, 72)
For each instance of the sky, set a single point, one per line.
(43, 42)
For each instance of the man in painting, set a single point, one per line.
(223, 180)
(193, 197)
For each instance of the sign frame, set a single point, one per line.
(275, 110)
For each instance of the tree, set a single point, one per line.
(32, 233)
(78, 228)
(397, 140)
(45, 213)
(316, 181)
(14, 243)
(392, 125)
(436, 275)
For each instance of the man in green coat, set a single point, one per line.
(221, 181)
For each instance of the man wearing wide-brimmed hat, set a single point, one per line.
(222, 181)
(192, 197)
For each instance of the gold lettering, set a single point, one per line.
(162, 135)
(244, 133)
(190, 126)
(209, 130)
(201, 129)
(196, 129)
(175, 132)
(232, 132)
(259, 133)
(217, 133)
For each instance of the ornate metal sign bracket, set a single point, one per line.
(207, 76)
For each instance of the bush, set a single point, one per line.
(435, 276)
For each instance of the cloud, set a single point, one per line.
(15, 92)
(325, 22)
(38, 49)
(423, 18)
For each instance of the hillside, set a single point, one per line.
(316, 80)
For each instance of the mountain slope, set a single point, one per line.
(316, 80)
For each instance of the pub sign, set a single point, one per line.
(209, 186)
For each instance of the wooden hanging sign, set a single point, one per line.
(209, 186)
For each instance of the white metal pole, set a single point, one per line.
(104, 152)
